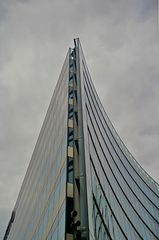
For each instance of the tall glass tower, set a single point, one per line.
(82, 182)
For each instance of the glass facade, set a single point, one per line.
(41, 205)
(82, 182)
(123, 199)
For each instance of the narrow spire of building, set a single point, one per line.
(82, 183)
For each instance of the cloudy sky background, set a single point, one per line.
(119, 39)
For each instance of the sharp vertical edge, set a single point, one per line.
(82, 168)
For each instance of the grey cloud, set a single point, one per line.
(119, 42)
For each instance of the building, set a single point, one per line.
(82, 182)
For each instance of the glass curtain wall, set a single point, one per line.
(82, 183)
(40, 207)
(123, 200)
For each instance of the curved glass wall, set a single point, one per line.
(125, 199)
(82, 182)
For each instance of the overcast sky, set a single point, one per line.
(119, 39)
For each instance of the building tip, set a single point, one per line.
(76, 41)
